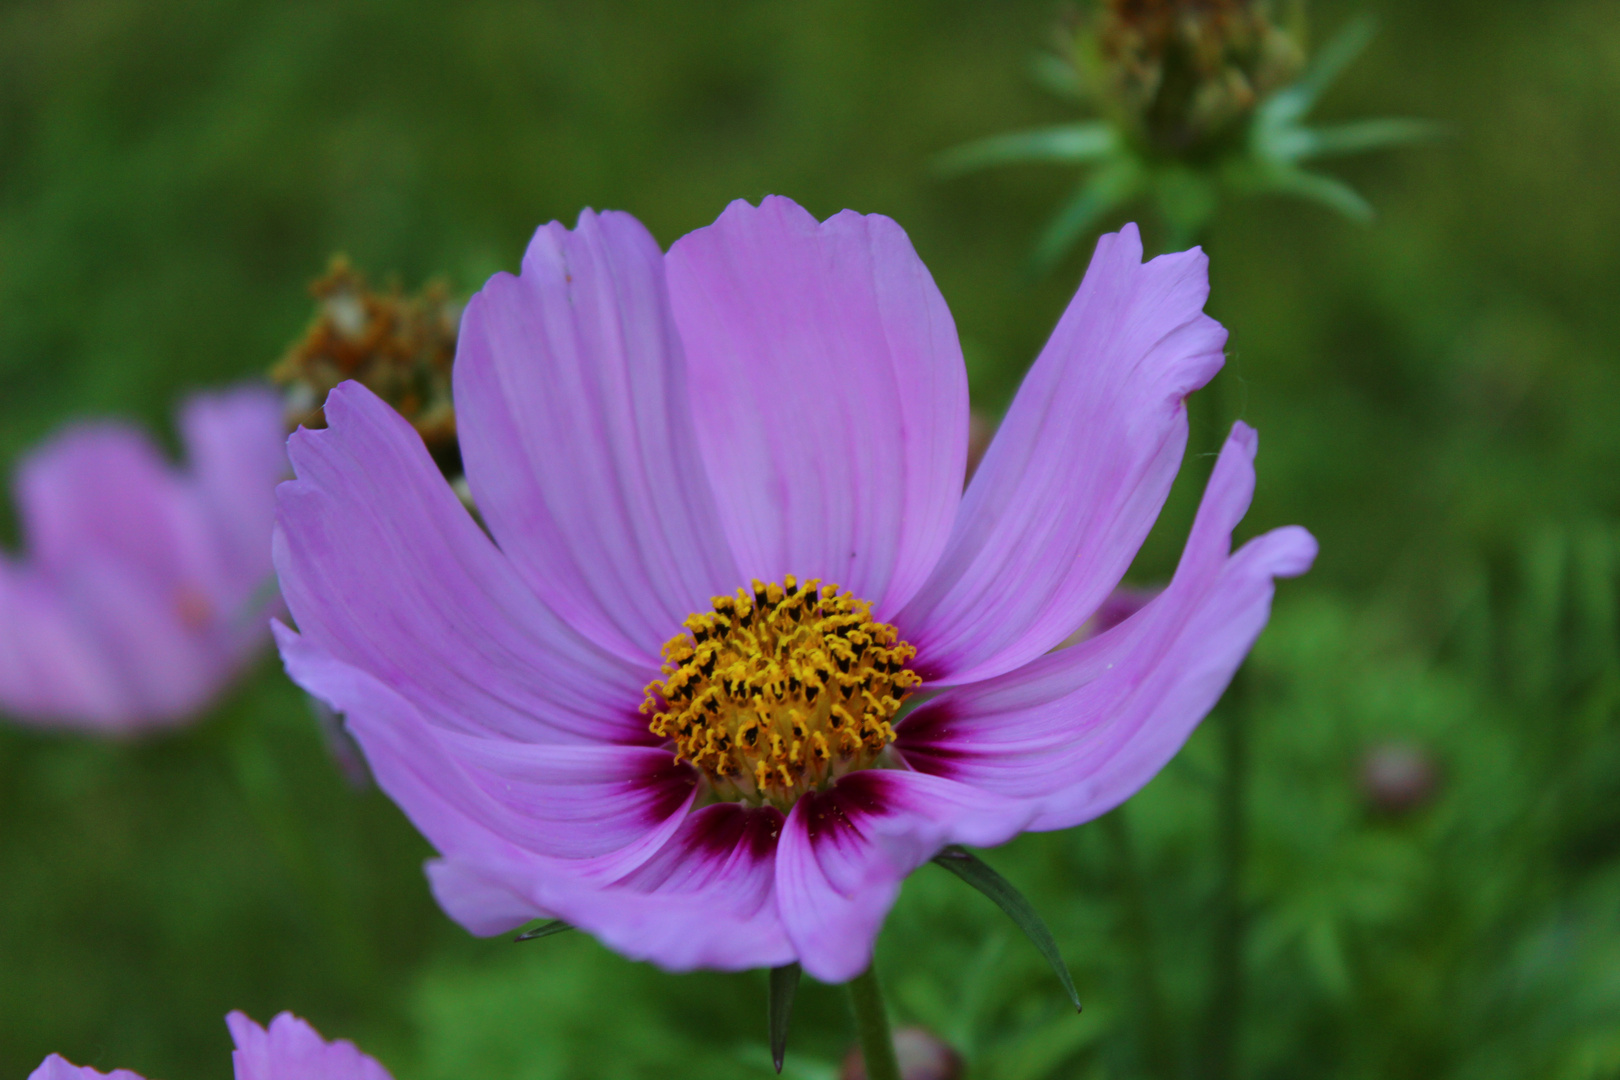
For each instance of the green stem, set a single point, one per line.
(266, 795)
(872, 1026)
(1159, 1048)
(1225, 1016)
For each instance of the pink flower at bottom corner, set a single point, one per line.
(143, 588)
(727, 544)
(289, 1049)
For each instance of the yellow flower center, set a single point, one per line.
(779, 693)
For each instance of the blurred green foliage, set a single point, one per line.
(1436, 395)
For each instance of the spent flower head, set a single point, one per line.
(400, 347)
(665, 696)
(1191, 101)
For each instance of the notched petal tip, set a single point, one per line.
(1124, 244)
(1084, 728)
(1078, 470)
(809, 341)
(289, 1046)
(618, 535)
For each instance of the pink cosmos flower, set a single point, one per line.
(662, 698)
(145, 588)
(289, 1050)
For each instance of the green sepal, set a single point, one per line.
(779, 1007)
(977, 873)
(1057, 76)
(544, 930)
(1327, 191)
(1329, 63)
(1072, 144)
(1105, 190)
(1360, 136)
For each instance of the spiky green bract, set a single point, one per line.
(1121, 169)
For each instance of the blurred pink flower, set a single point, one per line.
(289, 1050)
(920, 1053)
(1398, 776)
(144, 588)
(626, 711)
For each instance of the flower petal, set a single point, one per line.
(692, 890)
(293, 1050)
(236, 446)
(833, 886)
(384, 569)
(578, 441)
(52, 671)
(1079, 731)
(597, 805)
(1077, 472)
(102, 489)
(100, 647)
(845, 851)
(57, 1067)
(923, 813)
(830, 394)
(145, 588)
(704, 901)
(479, 902)
(572, 801)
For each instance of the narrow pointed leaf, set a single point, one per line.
(977, 873)
(1054, 74)
(1327, 191)
(779, 1006)
(1339, 53)
(1071, 144)
(544, 930)
(1364, 135)
(1329, 63)
(1102, 192)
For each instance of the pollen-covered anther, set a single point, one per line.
(780, 690)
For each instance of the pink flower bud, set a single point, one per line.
(1397, 777)
(922, 1055)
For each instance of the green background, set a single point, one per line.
(1435, 393)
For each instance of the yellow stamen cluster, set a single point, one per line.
(779, 692)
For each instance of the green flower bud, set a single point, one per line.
(1183, 75)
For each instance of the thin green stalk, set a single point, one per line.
(265, 792)
(1159, 1047)
(1225, 1016)
(872, 1026)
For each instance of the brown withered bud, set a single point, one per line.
(1397, 777)
(1184, 74)
(400, 347)
(922, 1056)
